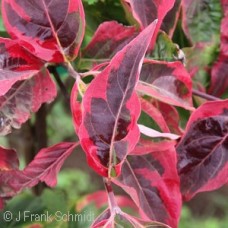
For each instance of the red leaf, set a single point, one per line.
(44, 167)
(165, 115)
(8, 159)
(109, 38)
(171, 116)
(154, 113)
(168, 82)
(171, 18)
(203, 150)
(111, 108)
(146, 11)
(152, 182)
(52, 30)
(23, 98)
(16, 64)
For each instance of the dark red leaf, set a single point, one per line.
(111, 108)
(8, 159)
(153, 184)
(109, 38)
(44, 167)
(52, 30)
(171, 18)
(146, 11)
(16, 64)
(168, 82)
(23, 98)
(203, 150)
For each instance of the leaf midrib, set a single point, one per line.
(118, 114)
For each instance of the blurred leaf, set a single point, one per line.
(23, 204)
(199, 58)
(165, 49)
(201, 19)
(74, 183)
(188, 220)
(91, 2)
(54, 205)
(57, 113)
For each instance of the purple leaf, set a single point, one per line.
(146, 11)
(203, 150)
(152, 182)
(111, 108)
(171, 18)
(109, 38)
(168, 82)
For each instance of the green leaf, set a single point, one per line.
(90, 2)
(21, 207)
(165, 49)
(202, 19)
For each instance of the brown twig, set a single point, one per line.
(61, 85)
(205, 95)
(41, 139)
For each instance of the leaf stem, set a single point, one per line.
(90, 73)
(204, 95)
(114, 208)
(72, 72)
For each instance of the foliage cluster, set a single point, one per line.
(148, 102)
